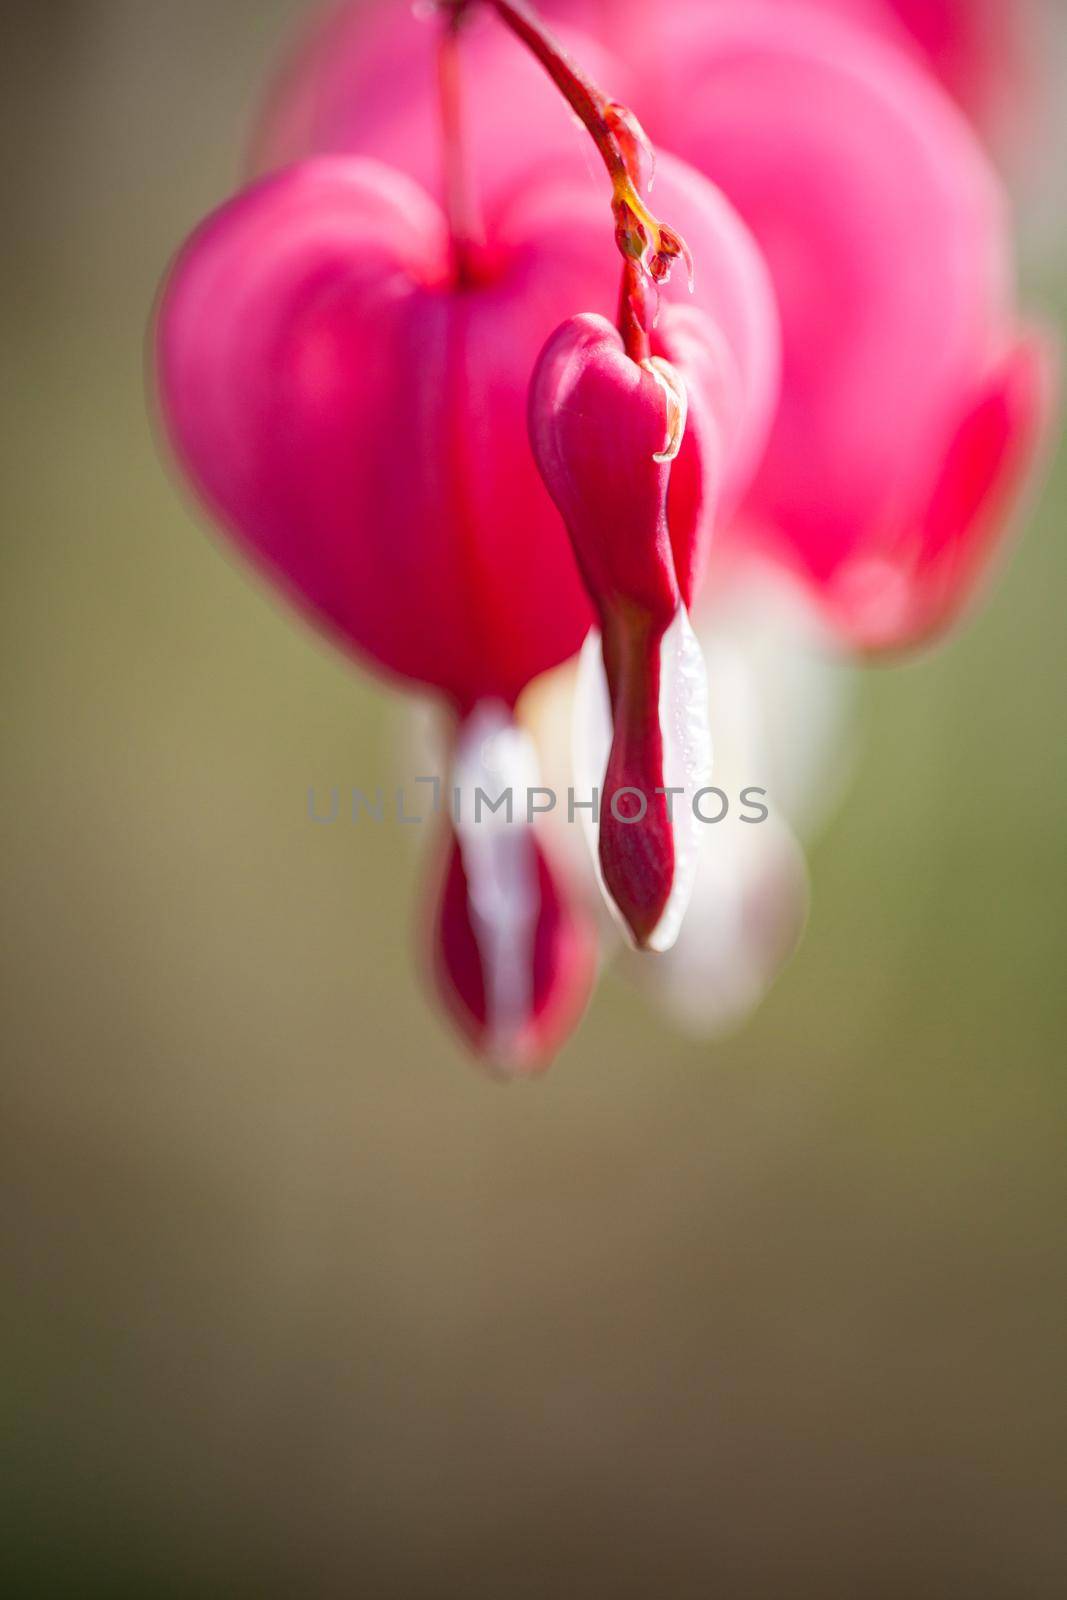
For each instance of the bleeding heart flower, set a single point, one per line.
(343, 375)
(356, 418)
(344, 369)
(608, 420)
(632, 431)
(605, 430)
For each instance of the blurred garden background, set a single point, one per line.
(297, 1302)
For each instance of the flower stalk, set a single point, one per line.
(648, 246)
(464, 223)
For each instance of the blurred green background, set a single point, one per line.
(298, 1303)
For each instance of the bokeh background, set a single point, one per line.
(296, 1301)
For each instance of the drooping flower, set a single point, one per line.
(345, 368)
(344, 380)
(638, 484)
(606, 430)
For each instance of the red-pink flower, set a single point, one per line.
(344, 379)
(355, 414)
(607, 430)
(349, 351)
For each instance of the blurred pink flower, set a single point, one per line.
(914, 399)
(982, 51)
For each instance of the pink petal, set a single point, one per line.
(923, 582)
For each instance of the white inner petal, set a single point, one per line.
(792, 728)
(494, 758)
(687, 761)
